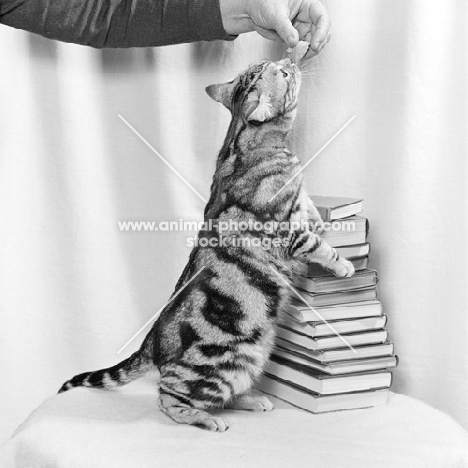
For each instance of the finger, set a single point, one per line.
(317, 12)
(320, 47)
(320, 35)
(283, 26)
(304, 30)
(324, 43)
(319, 38)
(306, 33)
(319, 16)
(270, 34)
(312, 52)
(313, 28)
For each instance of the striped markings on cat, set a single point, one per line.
(315, 310)
(155, 316)
(312, 158)
(160, 157)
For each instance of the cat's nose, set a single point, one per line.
(285, 62)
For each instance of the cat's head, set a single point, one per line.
(263, 92)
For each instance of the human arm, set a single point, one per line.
(147, 23)
(117, 23)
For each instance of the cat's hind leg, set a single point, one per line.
(250, 403)
(182, 413)
(184, 395)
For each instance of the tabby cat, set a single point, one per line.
(211, 342)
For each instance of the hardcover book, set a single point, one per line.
(324, 384)
(328, 284)
(331, 208)
(348, 231)
(338, 368)
(354, 251)
(315, 403)
(329, 299)
(321, 329)
(305, 313)
(341, 354)
(334, 341)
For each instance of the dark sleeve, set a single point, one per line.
(117, 23)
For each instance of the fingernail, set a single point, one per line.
(290, 40)
(316, 45)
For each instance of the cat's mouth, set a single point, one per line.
(287, 63)
(300, 54)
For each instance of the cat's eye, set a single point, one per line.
(285, 73)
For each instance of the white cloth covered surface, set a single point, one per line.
(120, 429)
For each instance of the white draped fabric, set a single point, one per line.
(74, 288)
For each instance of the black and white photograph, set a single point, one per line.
(233, 233)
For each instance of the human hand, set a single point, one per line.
(286, 20)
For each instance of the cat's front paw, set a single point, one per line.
(342, 268)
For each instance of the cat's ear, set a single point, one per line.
(221, 93)
(259, 107)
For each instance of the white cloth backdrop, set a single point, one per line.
(74, 288)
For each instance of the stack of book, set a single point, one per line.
(332, 350)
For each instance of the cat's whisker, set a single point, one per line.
(305, 62)
(316, 78)
(312, 79)
(307, 68)
(312, 72)
(309, 72)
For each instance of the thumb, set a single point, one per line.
(285, 29)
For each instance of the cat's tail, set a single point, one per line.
(122, 373)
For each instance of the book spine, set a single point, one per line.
(325, 213)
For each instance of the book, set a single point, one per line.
(348, 231)
(354, 310)
(334, 298)
(315, 403)
(321, 329)
(341, 354)
(315, 269)
(324, 384)
(331, 208)
(332, 342)
(328, 284)
(353, 251)
(338, 368)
